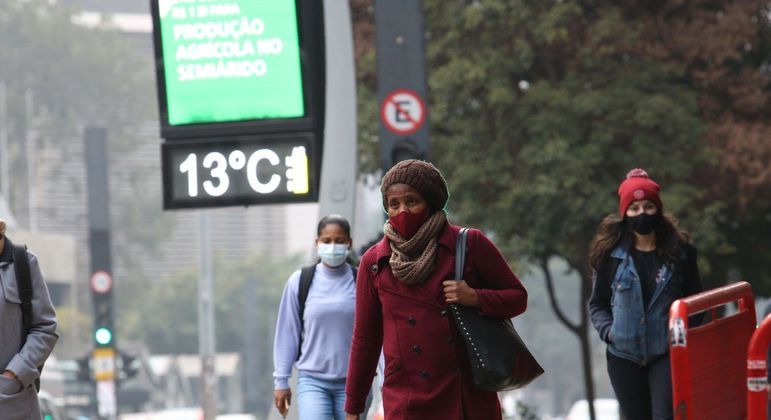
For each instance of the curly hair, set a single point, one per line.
(616, 230)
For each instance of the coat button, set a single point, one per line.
(450, 339)
(444, 313)
(373, 268)
(411, 320)
(424, 374)
(416, 349)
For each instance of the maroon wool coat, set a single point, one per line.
(427, 373)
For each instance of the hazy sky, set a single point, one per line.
(120, 6)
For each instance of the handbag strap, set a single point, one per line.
(460, 253)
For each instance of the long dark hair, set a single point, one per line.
(615, 230)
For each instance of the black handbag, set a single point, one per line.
(499, 359)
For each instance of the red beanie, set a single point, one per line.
(637, 186)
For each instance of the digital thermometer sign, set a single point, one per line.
(241, 94)
(239, 171)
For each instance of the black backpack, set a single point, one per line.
(24, 284)
(306, 278)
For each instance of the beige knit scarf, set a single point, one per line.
(412, 260)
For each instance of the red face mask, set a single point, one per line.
(406, 224)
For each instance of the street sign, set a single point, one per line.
(403, 112)
(101, 282)
(104, 363)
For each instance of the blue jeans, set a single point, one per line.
(322, 399)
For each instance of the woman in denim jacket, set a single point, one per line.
(642, 263)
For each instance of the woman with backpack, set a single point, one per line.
(642, 263)
(315, 325)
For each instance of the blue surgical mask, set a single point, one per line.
(333, 255)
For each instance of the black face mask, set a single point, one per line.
(644, 223)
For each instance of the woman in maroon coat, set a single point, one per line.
(405, 284)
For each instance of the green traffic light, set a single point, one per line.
(103, 336)
(48, 417)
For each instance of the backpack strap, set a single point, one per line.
(306, 278)
(24, 283)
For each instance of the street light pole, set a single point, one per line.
(206, 337)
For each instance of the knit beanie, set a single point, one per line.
(637, 186)
(423, 177)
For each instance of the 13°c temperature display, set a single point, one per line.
(216, 174)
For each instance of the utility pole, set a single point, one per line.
(104, 354)
(338, 169)
(206, 337)
(401, 81)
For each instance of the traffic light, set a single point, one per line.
(103, 332)
(101, 287)
(103, 336)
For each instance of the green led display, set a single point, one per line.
(230, 60)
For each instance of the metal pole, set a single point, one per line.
(99, 240)
(338, 169)
(206, 337)
(402, 89)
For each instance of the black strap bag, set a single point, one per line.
(499, 359)
(24, 284)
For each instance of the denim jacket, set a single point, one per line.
(636, 333)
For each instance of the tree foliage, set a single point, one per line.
(554, 102)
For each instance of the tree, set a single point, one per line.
(723, 50)
(362, 13)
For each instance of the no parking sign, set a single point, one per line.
(403, 112)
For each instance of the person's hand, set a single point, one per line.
(349, 416)
(282, 398)
(11, 375)
(459, 292)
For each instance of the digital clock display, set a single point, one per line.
(239, 170)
